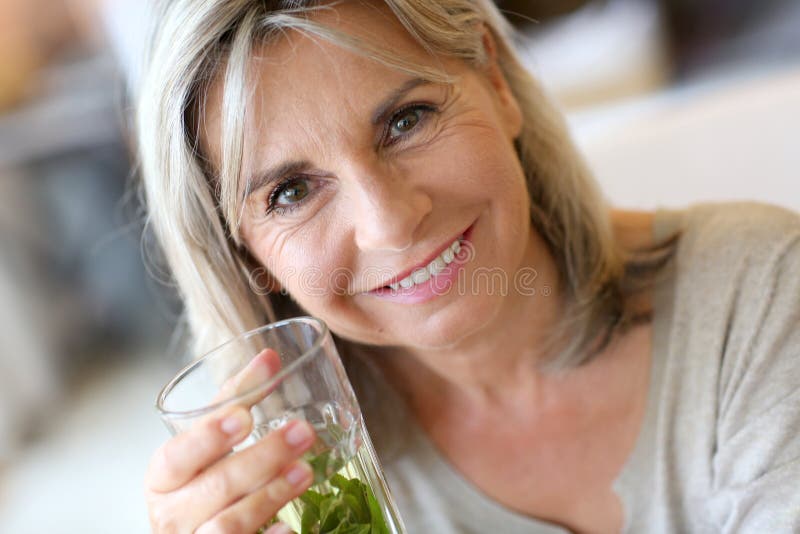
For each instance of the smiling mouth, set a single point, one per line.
(432, 267)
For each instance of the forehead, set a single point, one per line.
(298, 81)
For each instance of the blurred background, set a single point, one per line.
(672, 102)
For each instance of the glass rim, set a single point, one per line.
(270, 382)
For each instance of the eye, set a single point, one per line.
(288, 194)
(405, 121)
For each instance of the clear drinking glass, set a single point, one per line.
(349, 487)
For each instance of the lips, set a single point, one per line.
(416, 269)
(433, 268)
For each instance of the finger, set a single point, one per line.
(279, 528)
(179, 460)
(251, 512)
(239, 474)
(212, 436)
(261, 368)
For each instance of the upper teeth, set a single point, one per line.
(436, 266)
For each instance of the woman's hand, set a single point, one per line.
(194, 485)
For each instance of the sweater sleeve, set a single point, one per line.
(756, 464)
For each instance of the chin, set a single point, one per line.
(449, 327)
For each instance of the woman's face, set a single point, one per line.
(362, 174)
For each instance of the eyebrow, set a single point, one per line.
(385, 107)
(274, 174)
(379, 116)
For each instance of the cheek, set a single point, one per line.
(305, 264)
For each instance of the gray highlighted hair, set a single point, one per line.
(194, 212)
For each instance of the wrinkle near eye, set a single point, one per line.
(276, 245)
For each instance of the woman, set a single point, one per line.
(636, 372)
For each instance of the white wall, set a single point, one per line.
(735, 138)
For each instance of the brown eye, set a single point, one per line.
(288, 194)
(406, 121)
(295, 192)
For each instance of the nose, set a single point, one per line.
(387, 212)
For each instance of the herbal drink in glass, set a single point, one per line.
(349, 491)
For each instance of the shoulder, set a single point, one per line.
(752, 221)
(736, 244)
(755, 307)
(727, 362)
(733, 258)
(738, 229)
(737, 289)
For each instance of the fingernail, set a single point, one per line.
(279, 528)
(234, 423)
(299, 433)
(297, 474)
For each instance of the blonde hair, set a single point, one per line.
(194, 214)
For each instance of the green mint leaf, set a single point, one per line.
(312, 498)
(349, 508)
(360, 512)
(309, 521)
(338, 481)
(319, 465)
(378, 523)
